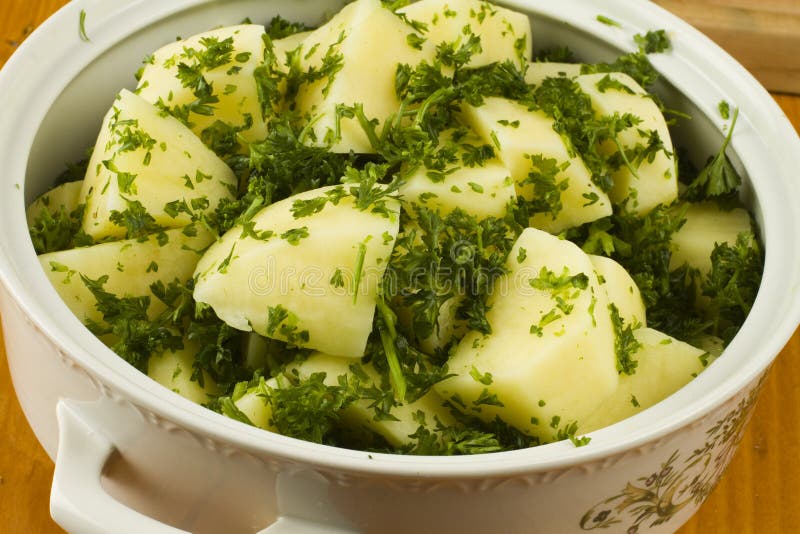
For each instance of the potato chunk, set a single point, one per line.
(504, 34)
(549, 359)
(706, 226)
(621, 289)
(427, 411)
(424, 411)
(664, 366)
(355, 57)
(66, 196)
(209, 77)
(483, 189)
(131, 266)
(173, 370)
(652, 180)
(557, 183)
(149, 167)
(538, 71)
(304, 276)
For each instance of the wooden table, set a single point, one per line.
(758, 493)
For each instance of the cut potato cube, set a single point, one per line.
(366, 42)
(520, 137)
(220, 62)
(655, 180)
(173, 370)
(621, 289)
(483, 190)
(131, 266)
(425, 411)
(145, 161)
(311, 280)
(706, 226)
(282, 47)
(538, 71)
(504, 34)
(66, 196)
(448, 326)
(664, 366)
(254, 404)
(549, 360)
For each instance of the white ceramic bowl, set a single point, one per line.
(178, 463)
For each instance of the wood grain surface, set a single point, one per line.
(763, 35)
(758, 493)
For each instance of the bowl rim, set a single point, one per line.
(694, 57)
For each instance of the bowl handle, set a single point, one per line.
(78, 501)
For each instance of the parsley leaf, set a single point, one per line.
(719, 177)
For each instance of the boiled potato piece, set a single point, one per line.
(145, 161)
(448, 327)
(131, 266)
(549, 360)
(504, 34)
(215, 69)
(308, 279)
(173, 370)
(360, 414)
(706, 225)
(281, 47)
(366, 41)
(710, 344)
(622, 291)
(664, 366)
(483, 190)
(66, 196)
(540, 70)
(254, 404)
(427, 411)
(521, 136)
(655, 180)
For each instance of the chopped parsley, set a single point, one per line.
(294, 235)
(719, 177)
(625, 344)
(82, 26)
(608, 21)
(57, 230)
(653, 42)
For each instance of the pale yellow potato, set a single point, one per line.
(504, 34)
(621, 289)
(664, 366)
(131, 266)
(372, 41)
(538, 71)
(706, 226)
(654, 182)
(173, 370)
(168, 164)
(547, 367)
(65, 196)
(242, 276)
(254, 404)
(518, 133)
(448, 326)
(482, 191)
(361, 414)
(231, 78)
(282, 47)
